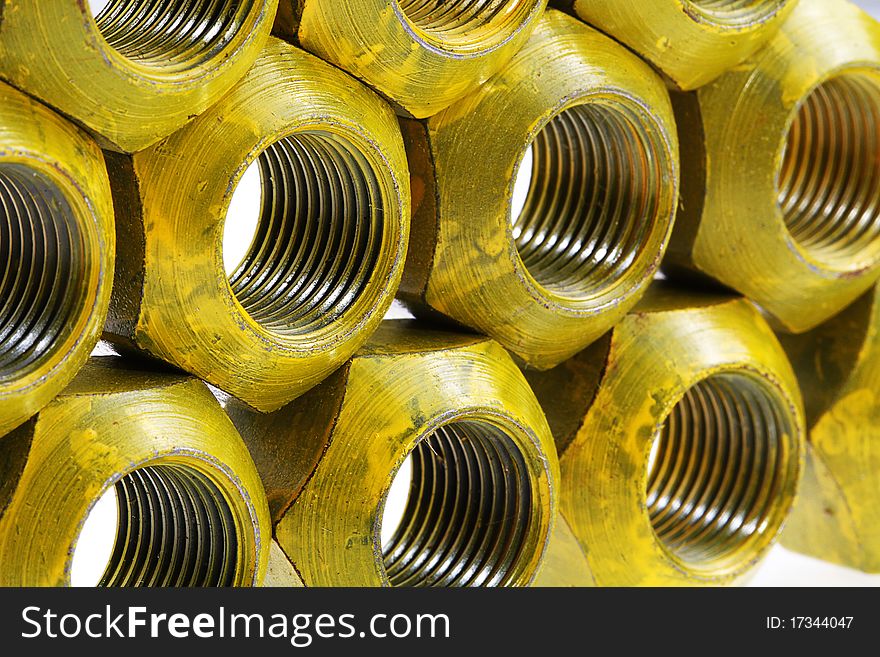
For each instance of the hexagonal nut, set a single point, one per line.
(547, 282)
(680, 437)
(483, 466)
(779, 177)
(420, 56)
(327, 253)
(137, 71)
(178, 467)
(837, 515)
(691, 41)
(57, 247)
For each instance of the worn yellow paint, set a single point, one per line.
(837, 517)
(690, 44)
(34, 137)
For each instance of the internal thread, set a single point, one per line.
(175, 34)
(468, 514)
(318, 238)
(44, 270)
(724, 456)
(460, 22)
(735, 13)
(175, 529)
(829, 183)
(594, 200)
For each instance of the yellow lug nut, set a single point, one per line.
(691, 41)
(598, 214)
(329, 247)
(680, 437)
(837, 515)
(780, 174)
(138, 70)
(483, 492)
(56, 254)
(178, 467)
(421, 56)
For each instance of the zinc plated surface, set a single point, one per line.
(837, 515)
(606, 406)
(34, 137)
(730, 226)
(419, 71)
(111, 420)
(174, 301)
(463, 261)
(55, 51)
(690, 44)
(328, 459)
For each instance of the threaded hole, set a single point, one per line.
(171, 34)
(829, 183)
(734, 13)
(593, 201)
(721, 462)
(318, 237)
(468, 514)
(44, 270)
(175, 528)
(467, 23)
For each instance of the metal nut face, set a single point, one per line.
(691, 41)
(600, 208)
(421, 56)
(680, 438)
(178, 466)
(138, 70)
(837, 515)
(56, 254)
(484, 466)
(320, 273)
(779, 169)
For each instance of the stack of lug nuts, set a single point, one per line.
(636, 372)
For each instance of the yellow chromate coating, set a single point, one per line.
(780, 170)
(138, 70)
(328, 252)
(484, 466)
(179, 469)
(680, 438)
(550, 280)
(691, 41)
(421, 56)
(56, 254)
(837, 515)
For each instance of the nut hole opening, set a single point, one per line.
(44, 270)
(734, 13)
(318, 238)
(723, 459)
(829, 182)
(175, 528)
(469, 512)
(594, 201)
(467, 24)
(172, 35)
